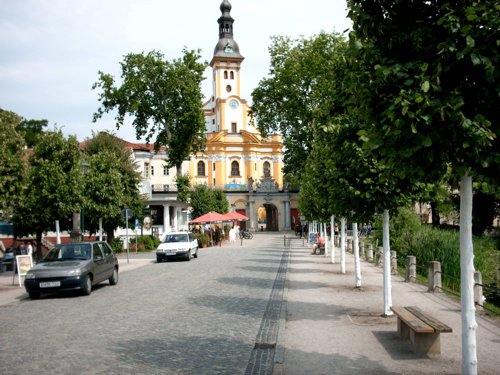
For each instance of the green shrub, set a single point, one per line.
(116, 245)
(203, 239)
(409, 237)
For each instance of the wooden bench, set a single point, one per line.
(422, 329)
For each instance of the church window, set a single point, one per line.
(234, 127)
(228, 88)
(225, 74)
(267, 169)
(201, 168)
(231, 75)
(235, 168)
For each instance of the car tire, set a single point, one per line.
(113, 280)
(159, 260)
(34, 295)
(195, 255)
(86, 285)
(188, 255)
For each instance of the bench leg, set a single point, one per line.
(403, 330)
(424, 343)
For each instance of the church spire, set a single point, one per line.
(226, 47)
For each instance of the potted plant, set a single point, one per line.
(203, 239)
(227, 228)
(218, 236)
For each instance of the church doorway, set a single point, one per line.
(268, 218)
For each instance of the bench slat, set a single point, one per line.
(412, 321)
(433, 322)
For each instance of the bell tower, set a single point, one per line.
(226, 62)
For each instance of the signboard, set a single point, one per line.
(313, 238)
(23, 264)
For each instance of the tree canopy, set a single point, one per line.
(11, 162)
(302, 84)
(164, 99)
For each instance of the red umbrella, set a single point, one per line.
(209, 218)
(236, 216)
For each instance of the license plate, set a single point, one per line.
(50, 284)
(171, 252)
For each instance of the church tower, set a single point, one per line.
(237, 159)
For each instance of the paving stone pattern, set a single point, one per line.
(197, 317)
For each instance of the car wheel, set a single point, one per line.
(34, 295)
(195, 255)
(86, 285)
(188, 255)
(113, 280)
(159, 260)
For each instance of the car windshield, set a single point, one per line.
(169, 238)
(68, 252)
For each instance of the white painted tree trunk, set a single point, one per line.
(326, 239)
(357, 266)
(332, 230)
(469, 325)
(100, 229)
(387, 265)
(58, 233)
(342, 245)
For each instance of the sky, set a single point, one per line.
(52, 50)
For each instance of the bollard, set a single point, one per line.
(394, 263)
(379, 255)
(369, 253)
(478, 291)
(434, 277)
(411, 269)
(349, 245)
(362, 249)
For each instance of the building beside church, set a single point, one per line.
(237, 159)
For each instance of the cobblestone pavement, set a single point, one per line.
(197, 317)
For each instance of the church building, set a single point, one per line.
(237, 159)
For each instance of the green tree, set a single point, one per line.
(202, 200)
(52, 188)
(31, 130)
(428, 94)
(11, 162)
(164, 99)
(301, 83)
(110, 183)
(221, 205)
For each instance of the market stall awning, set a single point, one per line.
(236, 216)
(210, 218)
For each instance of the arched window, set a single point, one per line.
(235, 168)
(267, 169)
(201, 168)
(225, 74)
(231, 75)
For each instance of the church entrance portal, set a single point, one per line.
(268, 218)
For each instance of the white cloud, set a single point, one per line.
(53, 49)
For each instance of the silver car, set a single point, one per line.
(73, 266)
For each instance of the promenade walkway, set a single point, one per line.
(334, 328)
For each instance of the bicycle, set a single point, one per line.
(246, 235)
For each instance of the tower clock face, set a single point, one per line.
(234, 104)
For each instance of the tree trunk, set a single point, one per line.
(435, 215)
(357, 267)
(326, 239)
(332, 231)
(343, 233)
(39, 245)
(469, 325)
(387, 265)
